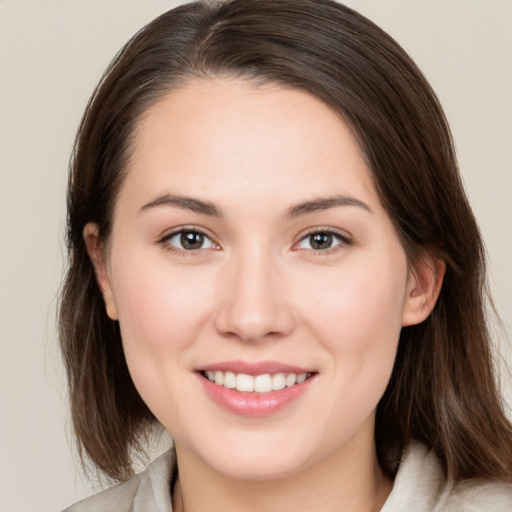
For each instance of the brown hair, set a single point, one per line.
(442, 391)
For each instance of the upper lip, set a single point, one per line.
(254, 367)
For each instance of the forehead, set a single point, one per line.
(221, 135)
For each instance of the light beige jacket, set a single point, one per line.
(419, 487)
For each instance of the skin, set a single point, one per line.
(257, 290)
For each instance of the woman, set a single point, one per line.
(272, 256)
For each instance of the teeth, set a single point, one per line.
(230, 380)
(301, 378)
(290, 380)
(264, 383)
(278, 381)
(244, 382)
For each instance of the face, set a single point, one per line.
(249, 247)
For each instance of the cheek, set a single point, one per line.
(358, 319)
(359, 324)
(161, 316)
(358, 300)
(161, 313)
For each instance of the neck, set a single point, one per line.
(344, 482)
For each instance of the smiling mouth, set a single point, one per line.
(263, 383)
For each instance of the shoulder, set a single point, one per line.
(478, 496)
(149, 491)
(420, 485)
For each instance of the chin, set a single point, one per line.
(253, 457)
(269, 466)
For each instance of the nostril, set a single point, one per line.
(270, 324)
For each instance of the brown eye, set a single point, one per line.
(322, 241)
(190, 240)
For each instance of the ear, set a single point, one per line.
(96, 253)
(423, 288)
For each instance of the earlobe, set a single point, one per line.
(97, 255)
(423, 288)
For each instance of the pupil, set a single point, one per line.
(192, 240)
(321, 241)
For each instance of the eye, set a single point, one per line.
(189, 240)
(322, 241)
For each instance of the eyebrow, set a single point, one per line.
(326, 203)
(206, 208)
(185, 203)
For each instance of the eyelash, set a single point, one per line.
(343, 240)
(165, 241)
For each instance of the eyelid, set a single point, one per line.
(164, 239)
(344, 237)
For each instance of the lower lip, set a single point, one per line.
(254, 405)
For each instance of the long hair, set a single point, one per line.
(442, 391)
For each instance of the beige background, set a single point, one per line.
(51, 55)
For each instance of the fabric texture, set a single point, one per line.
(419, 487)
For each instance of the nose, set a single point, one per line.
(253, 302)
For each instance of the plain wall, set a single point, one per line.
(52, 53)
